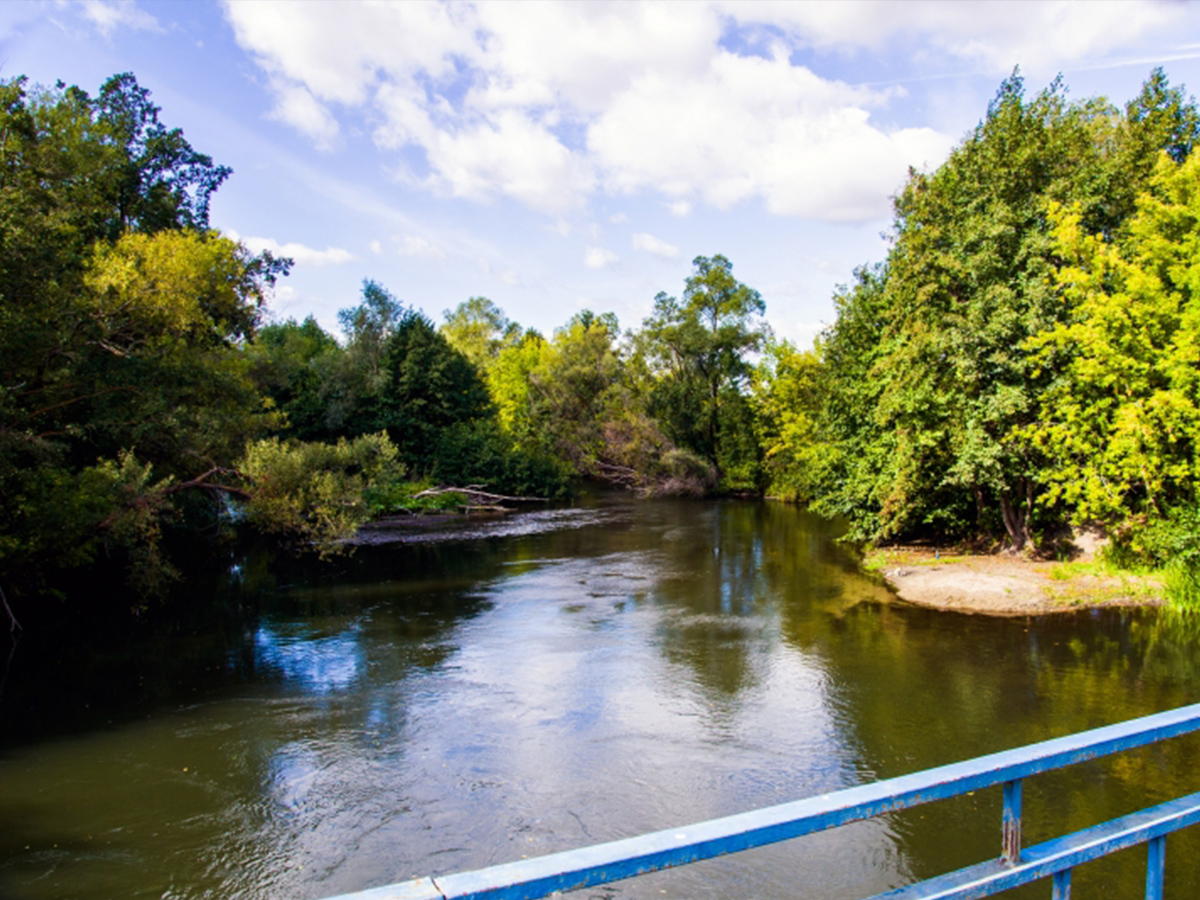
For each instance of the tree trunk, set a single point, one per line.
(714, 426)
(1014, 522)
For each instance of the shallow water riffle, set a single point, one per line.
(474, 696)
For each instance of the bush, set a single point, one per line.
(320, 493)
(1172, 544)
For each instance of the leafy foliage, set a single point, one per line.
(121, 314)
(785, 404)
(478, 329)
(320, 493)
(696, 350)
(1120, 427)
(922, 411)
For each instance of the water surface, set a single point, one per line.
(568, 677)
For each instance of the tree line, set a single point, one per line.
(147, 399)
(1025, 359)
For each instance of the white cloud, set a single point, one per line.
(549, 103)
(376, 248)
(598, 257)
(330, 256)
(108, 16)
(650, 244)
(801, 144)
(296, 106)
(1042, 37)
(510, 154)
(411, 245)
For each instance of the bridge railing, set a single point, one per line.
(529, 879)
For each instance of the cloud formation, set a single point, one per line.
(330, 256)
(108, 16)
(547, 104)
(650, 244)
(598, 257)
(412, 245)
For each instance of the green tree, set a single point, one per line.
(318, 493)
(969, 281)
(292, 363)
(1120, 428)
(430, 387)
(122, 388)
(853, 451)
(932, 373)
(479, 329)
(786, 402)
(696, 350)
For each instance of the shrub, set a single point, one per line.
(320, 493)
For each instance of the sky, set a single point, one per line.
(559, 156)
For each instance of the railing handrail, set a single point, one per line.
(528, 879)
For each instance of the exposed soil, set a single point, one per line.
(1006, 585)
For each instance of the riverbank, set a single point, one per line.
(1006, 585)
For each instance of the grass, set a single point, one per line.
(1102, 568)
(1136, 587)
(879, 559)
(1182, 581)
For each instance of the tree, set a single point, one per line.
(786, 403)
(368, 327)
(479, 329)
(292, 363)
(935, 368)
(430, 387)
(696, 351)
(854, 453)
(969, 278)
(315, 492)
(159, 181)
(1120, 428)
(122, 386)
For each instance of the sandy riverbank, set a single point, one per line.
(1004, 585)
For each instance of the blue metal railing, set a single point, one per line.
(602, 863)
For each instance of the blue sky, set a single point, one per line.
(558, 156)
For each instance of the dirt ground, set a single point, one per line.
(1006, 585)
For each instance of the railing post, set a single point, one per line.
(1156, 864)
(1010, 825)
(1062, 885)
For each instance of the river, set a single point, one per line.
(566, 677)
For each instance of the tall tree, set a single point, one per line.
(1120, 428)
(697, 349)
(934, 370)
(121, 384)
(479, 329)
(969, 280)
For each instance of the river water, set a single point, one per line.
(461, 699)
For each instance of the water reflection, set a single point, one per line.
(434, 706)
(316, 664)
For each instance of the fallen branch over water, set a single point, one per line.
(476, 493)
(622, 475)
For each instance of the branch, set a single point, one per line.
(200, 481)
(472, 492)
(45, 409)
(13, 625)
